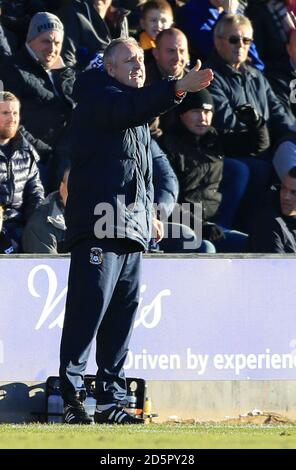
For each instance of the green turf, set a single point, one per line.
(152, 436)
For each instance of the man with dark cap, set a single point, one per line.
(196, 153)
(38, 77)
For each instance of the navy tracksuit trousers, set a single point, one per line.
(102, 300)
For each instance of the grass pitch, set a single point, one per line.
(151, 436)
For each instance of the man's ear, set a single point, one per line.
(142, 24)
(110, 70)
(216, 41)
(155, 53)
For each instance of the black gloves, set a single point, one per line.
(248, 116)
(252, 140)
(212, 232)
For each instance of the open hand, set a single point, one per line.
(195, 79)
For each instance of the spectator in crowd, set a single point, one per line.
(113, 162)
(90, 25)
(196, 153)
(171, 58)
(38, 76)
(20, 188)
(45, 230)
(178, 237)
(283, 78)
(156, 15)
(275, 229)
(198, 18)
(246, 109)
(237, 84)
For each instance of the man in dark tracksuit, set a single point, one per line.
(108, 218)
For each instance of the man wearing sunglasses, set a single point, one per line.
(197, 19)
(247, 111)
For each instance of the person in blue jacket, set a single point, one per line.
(109, 219)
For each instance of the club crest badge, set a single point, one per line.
(96, 256)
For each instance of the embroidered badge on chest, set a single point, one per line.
(96, 256)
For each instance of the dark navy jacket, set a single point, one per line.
(232, 88)
(111, 157)
(45, 108)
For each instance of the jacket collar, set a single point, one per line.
(18, 143)
(31, 56)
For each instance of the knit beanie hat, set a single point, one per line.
(43, 22)
(199, 100)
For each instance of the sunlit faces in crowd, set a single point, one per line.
(235, 43)
(9, 120)
(127, 65)
(171, 52)
(47, 48)
(155, 20)
(197, 120)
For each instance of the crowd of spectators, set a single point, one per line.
(227, 148)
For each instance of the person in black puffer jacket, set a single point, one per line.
(21, 190)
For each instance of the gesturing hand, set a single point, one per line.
(195, 79)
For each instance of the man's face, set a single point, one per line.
(155, 21)
(47, 47)
(197, 121)
(288, 196)
(172, 54)
(128, 66)
(234, 46)
(9, 119)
